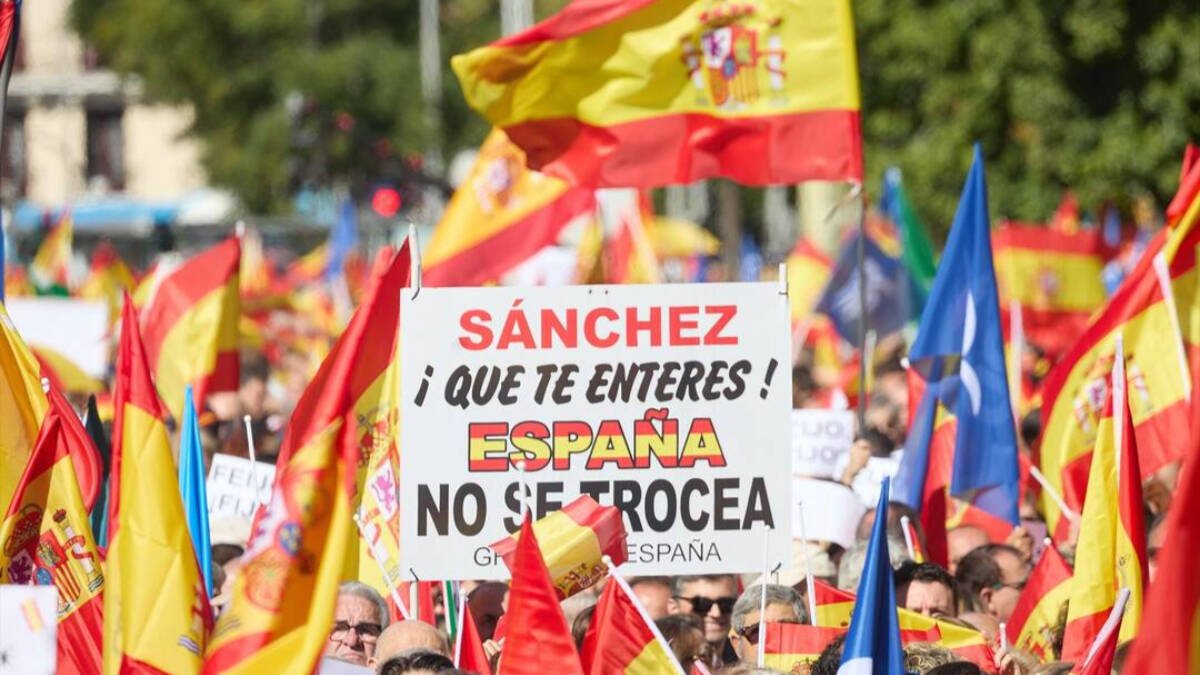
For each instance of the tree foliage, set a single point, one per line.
(1097, 95)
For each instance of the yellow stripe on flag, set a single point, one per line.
(189, 351)
(1060, 281)
(22, 406)
(653, 660)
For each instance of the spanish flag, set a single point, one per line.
(640, 93)
(1055, 276)
(279, 617)
(1171, 644)
(808, 271)
(787, 645)
(47, 539)
(108, 279)
(1038, 611)
(1111, 552)
(156, 614)
(1157, 309)
(500, 216)
(23, 404)
(573, 542)
(623, 638)
(191, 326)
(834, 607)
(50, 270)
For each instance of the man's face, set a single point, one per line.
(929, 598)
(1014, 572)
(746, 642)
(356, 627)
(655, 597)
(713, 593)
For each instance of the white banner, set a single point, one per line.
(230, 486)
(29, 617)
(819, 439)
(76, 330)
(831, 511)
(670, 402)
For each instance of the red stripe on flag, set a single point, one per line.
(577, 17)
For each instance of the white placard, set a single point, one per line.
(831, 510)
(29, 617)
(75, 329)
(230, 486)
(592, 381)
(819, 439)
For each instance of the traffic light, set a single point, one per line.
(385, 201)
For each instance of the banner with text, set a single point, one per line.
(670, 402)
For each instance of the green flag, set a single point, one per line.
(917, 249)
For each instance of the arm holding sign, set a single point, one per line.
(860, 454)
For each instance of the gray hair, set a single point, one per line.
(751, 601)
(361, 590)
(851, 565)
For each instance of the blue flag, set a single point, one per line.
(191, 487)
(873, 641)
(959, 352)
(343, 238)
(887, 292)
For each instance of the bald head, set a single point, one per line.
(405, 635)
(962, 540)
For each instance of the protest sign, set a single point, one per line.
(831, 511)
(669, 402)
(76, 330)
(29, 617)
(230, 486)
(819, 439)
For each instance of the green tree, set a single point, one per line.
(1097, 95)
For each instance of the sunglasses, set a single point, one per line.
(750, 633)
(364, 630)
(702, 606)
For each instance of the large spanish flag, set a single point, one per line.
(279, 617)
(573, 542)
(1111, 551)
(1055, 278)
(191, 326)
(1156, 301)
(622, 638)
(46, 538)
(1032, 624)
(22, 406)
(500, 216)
(156, 614)
(640, 93)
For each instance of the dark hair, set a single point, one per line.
(976, 571)
(956, 668)
(928, 573)
(675, 628)
(580, 626)
(415, 659)
(831, 657)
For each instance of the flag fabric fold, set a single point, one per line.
(164, 625)
(873, 641)
(640, 93)
(191, 326)
(622, 638)
(50, 270)
(1037, 612)
(281, 609)
(543, 644)
(468, 644)
(920, 262)
(22, 406)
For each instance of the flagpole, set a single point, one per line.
(633, 598)
(387, 577)
(808, 576)
(6, 68)
(908, 542)
(862, 319)
(462, 609)
(1054, 496)
(762, 602)
(253, 459)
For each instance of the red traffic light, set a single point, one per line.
(386, 201)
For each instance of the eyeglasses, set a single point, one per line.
(1019, 586)
(367, 632)
(702, 605)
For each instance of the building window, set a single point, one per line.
(105, 149)
(13, 176)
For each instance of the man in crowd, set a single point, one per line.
(962, 540)
(710, 597)
(655, 595)
(405, 636)
(783, 605)
(991, 578)
(359, 616)
(927, 589)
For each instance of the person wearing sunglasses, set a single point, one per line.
(711, 599)
(359, 616)
(992, 578)
(783, 606)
